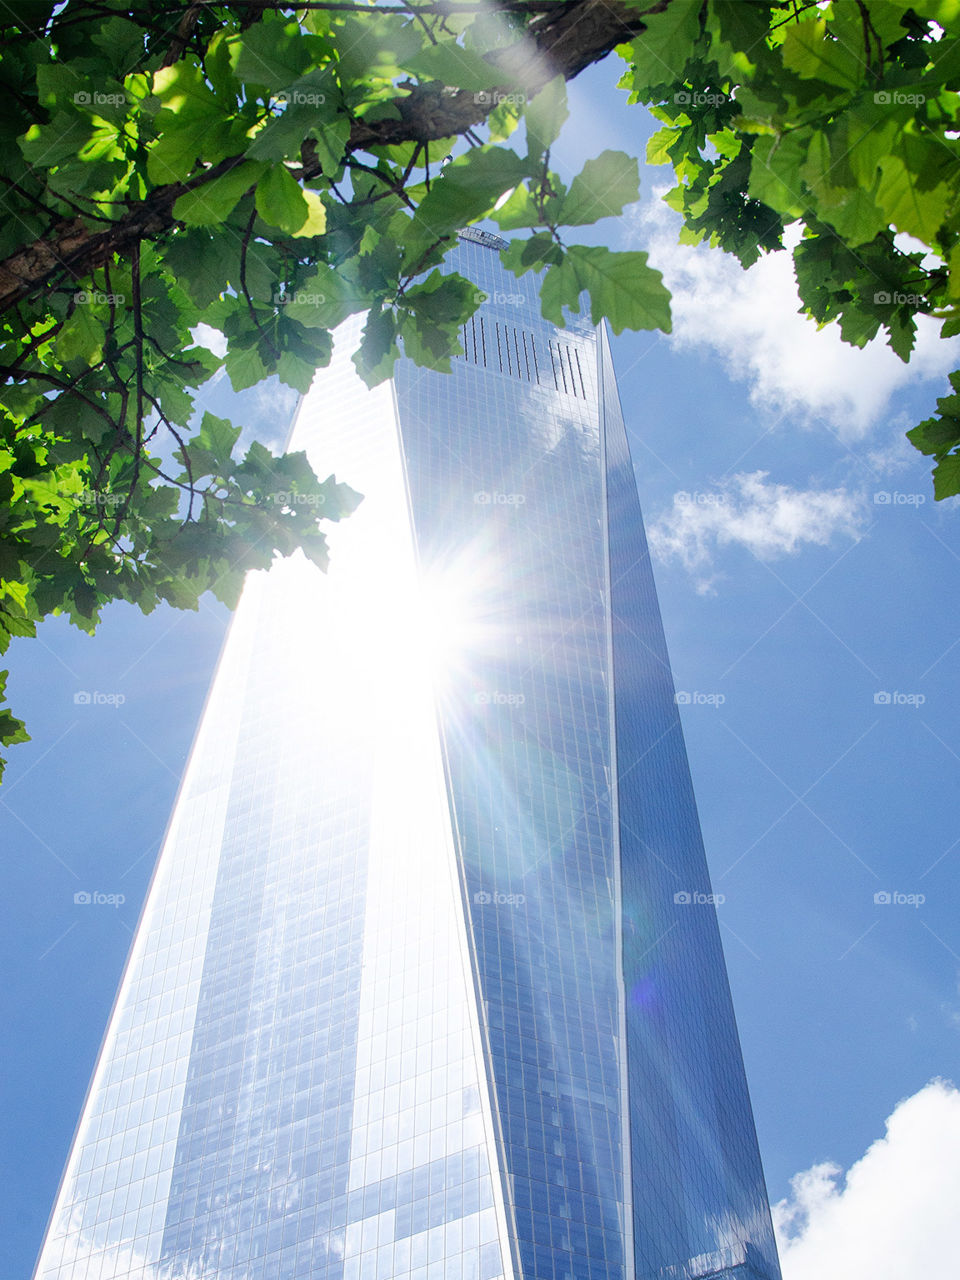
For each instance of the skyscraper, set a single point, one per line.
(428, 982)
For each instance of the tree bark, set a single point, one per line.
(561, 42)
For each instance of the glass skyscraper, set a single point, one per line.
(429, 982)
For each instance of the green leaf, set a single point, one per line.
(505, 117)
(946, 478)
(532, 254)
(218, 436)
(283, 203)
(183, 141)
(330, 144)
(454, 66)
(282, 136)
(85, 599)
(775, 173)
(295, 372)
(244, 367)
(50, 144)
(659, 53)
(274, 52)
(12, 730)
(936, 435)
(468, 188)
(604, 185)
(208, 205)
(323, 300)
(544, 116)
(621, 287)
(907, 205)
(560, 290)
(373, 47)
(518, 210)
(435, 311)
(310, 116)
(315, 223)
(340, 500)
(183, 89)
(204, 263)
(378, 351)
(953, 284)
(82, 336)
(810, 50)
(660, 145)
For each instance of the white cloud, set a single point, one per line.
(748, 510)
(750, 320)
(269, 408)
(895, 1215)
(206, 336)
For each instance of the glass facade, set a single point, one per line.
(426, 985)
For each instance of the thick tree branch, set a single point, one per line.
(562, 41)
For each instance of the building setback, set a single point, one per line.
(429, 982)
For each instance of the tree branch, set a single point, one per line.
(562, 40)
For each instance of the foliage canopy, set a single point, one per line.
(270, 169)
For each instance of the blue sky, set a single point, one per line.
(807, 583)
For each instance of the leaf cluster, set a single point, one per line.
(842, 119)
